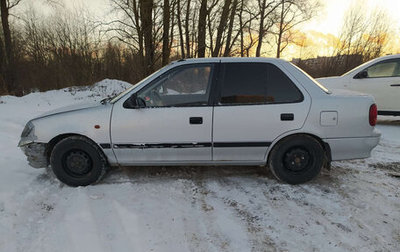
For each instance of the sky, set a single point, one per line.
(327, 22)
(329, 19)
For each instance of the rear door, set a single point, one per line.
(256, 103)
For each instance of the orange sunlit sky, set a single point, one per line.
(319, 29)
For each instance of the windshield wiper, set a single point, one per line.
(105, 100)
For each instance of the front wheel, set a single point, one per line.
(77, 161)
(296, 159)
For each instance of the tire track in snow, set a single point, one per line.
(259, 239)
(34, 208)
(80, 224)
(199, 194)
(108, 221)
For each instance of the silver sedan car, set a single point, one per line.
(215, 111)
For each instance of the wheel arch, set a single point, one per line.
(58, 138)
(325, 146)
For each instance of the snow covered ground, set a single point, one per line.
(353, 207)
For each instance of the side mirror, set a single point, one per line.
(361, 75)
(134, 102)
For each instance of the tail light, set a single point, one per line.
(373, 114)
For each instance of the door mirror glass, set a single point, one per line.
(361, 75)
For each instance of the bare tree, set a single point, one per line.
(363, 36)
(180, 28)
(204, 22)
(267, 19)
(221, 27)
(146, 7)
(187, 30)
(165, 42)
(5, 7)
(292, 13)
(232, 15)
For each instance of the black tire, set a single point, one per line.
(296, 159)
(77, 161)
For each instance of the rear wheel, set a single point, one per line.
(77, 161)
(296, 159)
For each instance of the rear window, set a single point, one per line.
(257, 83)
(322, 87)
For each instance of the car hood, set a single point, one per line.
(69, 108)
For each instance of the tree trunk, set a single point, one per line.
(171, 36)
(180, 28)
(241, 29)
(3, 87)
(201, 39)
(221, 28)
(261, 28)
(146, 7)
(165, 45)
(187, 29)
(140, 35)
(9, 77)
(278, 50)
(230, 28)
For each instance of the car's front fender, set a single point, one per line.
(93, 123)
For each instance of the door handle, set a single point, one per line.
(287, 117)
(196, 120)
(395, 85)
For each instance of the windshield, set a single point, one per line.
(116, 98)
(313, 80)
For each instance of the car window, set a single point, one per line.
(384, 69)
(280, 88)
(182, 86)
(256, 83)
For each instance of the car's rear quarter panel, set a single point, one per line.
(352, 136)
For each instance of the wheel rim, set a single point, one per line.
(297, 159)
(77, 163)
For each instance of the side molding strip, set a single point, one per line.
(186, 145)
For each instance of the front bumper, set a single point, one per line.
(352, 148)
(36, 154)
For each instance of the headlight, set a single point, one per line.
(27, 135)
(27, 130)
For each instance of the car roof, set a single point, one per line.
(228, 59)
(392, 56)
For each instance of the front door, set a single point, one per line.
(383, 82)
(257, 103)
(175, 125)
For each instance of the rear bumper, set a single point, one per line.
(353, 148)
(36, 154)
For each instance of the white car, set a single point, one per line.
(215, 111)
(379, 77)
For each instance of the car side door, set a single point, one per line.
(173, 123)
(256, 103)
(381, 80)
